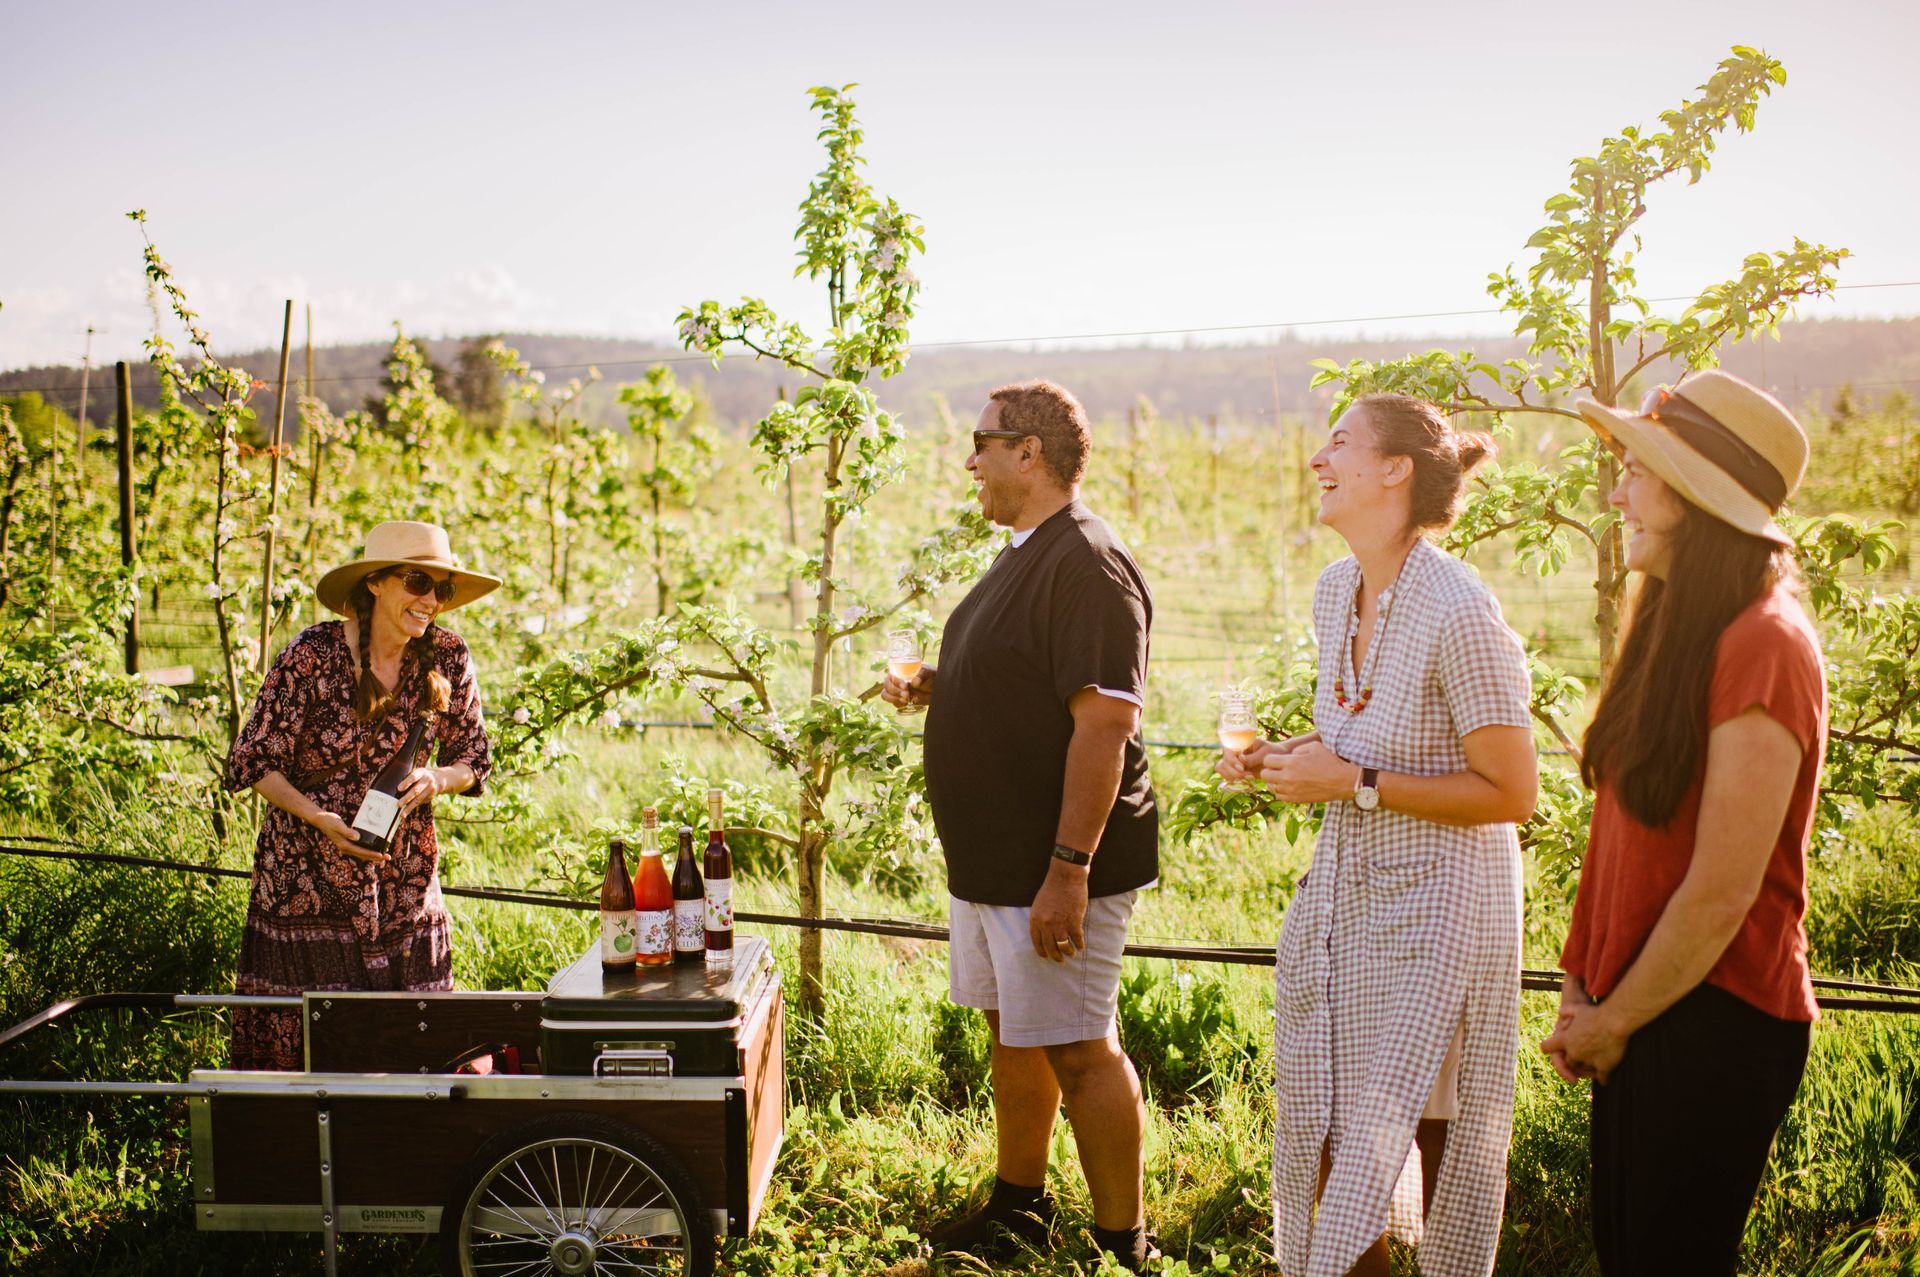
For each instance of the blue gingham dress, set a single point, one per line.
(1403, 932)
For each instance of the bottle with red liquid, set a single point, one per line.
(652, 897)
(719, 876)
(689, 904)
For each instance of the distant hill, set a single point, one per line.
(1807, 365)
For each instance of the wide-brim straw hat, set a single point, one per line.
(404, 545)
(1724, 444)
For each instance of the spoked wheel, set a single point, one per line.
(571, 1195)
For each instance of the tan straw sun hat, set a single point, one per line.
(1727, 446)
(402, 545)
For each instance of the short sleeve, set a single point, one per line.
(462, 734)
(1483, 668)
(272, 735)
(1098, 624)
(1767, 661)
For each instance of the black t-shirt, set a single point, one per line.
(1064, 611)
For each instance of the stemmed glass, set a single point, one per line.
(904, 658)
(1238, 727)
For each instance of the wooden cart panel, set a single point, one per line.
(415, 1032)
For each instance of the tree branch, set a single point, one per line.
(1887, 743)
(1659, 354)
(1484, 406)
(1559, 733)
(877, 618)
(799, 365)
(126, 730)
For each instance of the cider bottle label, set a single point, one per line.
(655, 937)
(719, 904)
(689, 926)
(618, 934)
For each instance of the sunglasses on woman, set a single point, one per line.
(419, 584)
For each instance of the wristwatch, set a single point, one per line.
(1366, 795)
(1063, 852)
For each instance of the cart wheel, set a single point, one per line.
(573, 1194)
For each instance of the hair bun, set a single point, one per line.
(1473, 448)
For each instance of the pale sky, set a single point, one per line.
(1081, 168)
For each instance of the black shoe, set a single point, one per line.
(1134, 1250)
(996, 1229)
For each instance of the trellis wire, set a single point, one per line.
(1892, 999)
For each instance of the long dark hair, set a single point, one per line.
(1648, 738)
(373, 699)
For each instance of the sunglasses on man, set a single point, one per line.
(980, 437)
(419, 584)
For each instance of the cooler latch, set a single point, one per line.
(636, 1059)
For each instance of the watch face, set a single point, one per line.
(1366, 798)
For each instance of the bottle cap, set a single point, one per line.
(650, 817)
(617, 844)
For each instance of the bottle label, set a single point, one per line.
(656, 932)
(377, 814)
(689, 926)
(617, 934)
(719, 904)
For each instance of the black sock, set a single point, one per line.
(1009, 1199)
(1129, 1245)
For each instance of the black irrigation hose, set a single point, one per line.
(1902, 1001)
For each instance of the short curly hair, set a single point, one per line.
(1055, 417)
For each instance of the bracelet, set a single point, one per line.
(1063, 852)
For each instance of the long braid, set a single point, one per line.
(371, 698)
(431, 690)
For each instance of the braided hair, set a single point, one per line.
(372, 699)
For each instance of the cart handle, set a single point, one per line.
(111, 1001)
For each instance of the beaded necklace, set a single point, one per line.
(1365, 676)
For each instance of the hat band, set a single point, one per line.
(1703, 432)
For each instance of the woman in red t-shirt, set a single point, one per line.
(1687, 998)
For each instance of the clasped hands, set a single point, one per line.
(1299, 770)
(1584, 1042)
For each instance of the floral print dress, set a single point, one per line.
(317, 918)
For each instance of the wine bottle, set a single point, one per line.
(689, 904)
(652, 897)
(618, 922)
(719, 893)
(379, 812)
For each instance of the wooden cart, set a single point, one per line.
(649, 1127)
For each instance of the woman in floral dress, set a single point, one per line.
(1398, 978)
(337, 704)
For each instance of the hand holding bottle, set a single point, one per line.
(341, 835)
(424, 784)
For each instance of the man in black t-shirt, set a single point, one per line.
(1038, 779)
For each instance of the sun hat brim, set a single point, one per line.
(1684, 470)
(336, 587)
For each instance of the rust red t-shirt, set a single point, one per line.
(1768, 657)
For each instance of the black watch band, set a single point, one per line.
(1369, 778)
(1063, 852)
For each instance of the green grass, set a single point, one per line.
(890, 1121)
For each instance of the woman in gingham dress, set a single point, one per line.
(1398, 982)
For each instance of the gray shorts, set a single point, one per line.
(992, 966)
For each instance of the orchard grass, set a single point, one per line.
(890, 1119)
